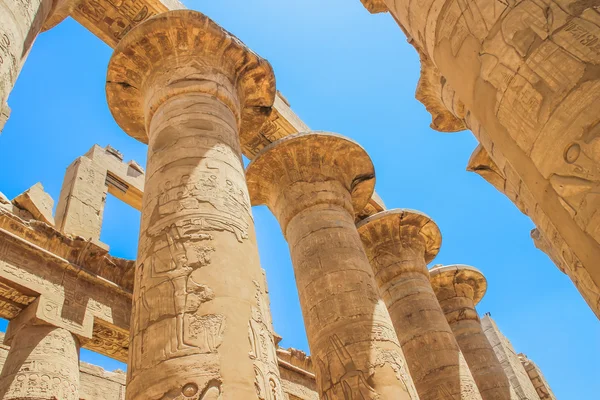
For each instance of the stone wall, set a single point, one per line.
(518, 377)
(98, 384)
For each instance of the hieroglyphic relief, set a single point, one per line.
(262, 349)
(43, 363)
(530, 70)
(340, 378)
(112, 19)
(109, 341)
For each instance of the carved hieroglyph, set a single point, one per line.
(528, 75)
(315, 183)
(400, 244)
(193, 92)
(42, 363)
(459, 288)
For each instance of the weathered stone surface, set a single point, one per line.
(39, 265)
(546, 237)
(88, 180)
(513, 368)
(193, 92)
(37, 202)
(297, 375)
(110, 21)
(459, 288)
(537, 378)
(447, 111)
(399, 244)
(43, 360)
(527, 75)
(375, 6)
(374, 206)
(315, 183)
(98, 384)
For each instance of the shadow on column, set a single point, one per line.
(459, 288)
(315, 183)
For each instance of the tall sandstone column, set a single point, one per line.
(20, 23)
(459, 288)
(527, 73)
(315, 183)
(42, 363)
(200, 323)
(400, 244)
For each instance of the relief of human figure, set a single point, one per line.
(344, 378)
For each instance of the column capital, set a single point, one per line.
(183, 51)
(374, 206)
(375, 6)
(458, 280)
(401, 226)
(299, 171)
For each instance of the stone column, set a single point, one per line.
(200, 320)
(527, 75)
(20, 23)
(42, 363)
(459, 288)
(315, 183)
(400, 244)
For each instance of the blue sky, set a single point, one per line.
(346, 71)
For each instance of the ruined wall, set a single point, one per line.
(518, 377)
(537, 378)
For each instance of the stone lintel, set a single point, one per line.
(154, 61)
(450, 276)
(308, 157)
(44, 311)
(394, 225)
(125, 180)
(61, 292)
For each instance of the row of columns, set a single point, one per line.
(378, 326)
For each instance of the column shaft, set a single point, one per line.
(482, 360)
(200, 323)
(399, 243)
(435, 361)
(42, 364)
(351, 337)
(524, 70)
(486, 368)
(314, 183)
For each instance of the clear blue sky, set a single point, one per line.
(346, 71)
